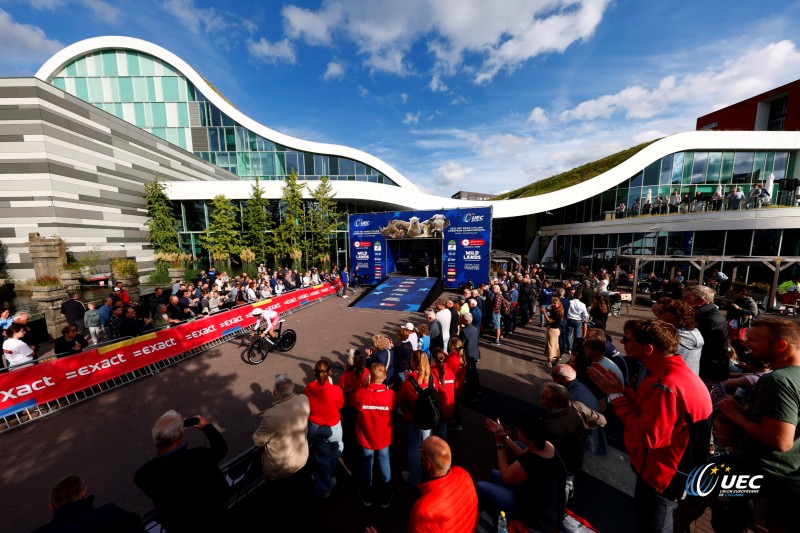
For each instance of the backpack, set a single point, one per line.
(428, 411)
(505, 307)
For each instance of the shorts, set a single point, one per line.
(496, 320)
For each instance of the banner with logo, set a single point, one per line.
(30, 386)
(465, 234)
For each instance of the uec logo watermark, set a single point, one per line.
(472, 217)
(704, 479)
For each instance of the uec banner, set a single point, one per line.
(45, 382)
(465, 236)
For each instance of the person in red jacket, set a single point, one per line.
(444, 376)
(666, 418)
(374, 405)
(457, 361)
(354, 377)
(407, 399)
(324, 427)
(449, 503)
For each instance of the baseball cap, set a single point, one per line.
(409, 326)
(116, 288)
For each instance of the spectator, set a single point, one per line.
(475, 311)
(545, 300)
(769, 421)
(563, 426)
(91, 319)
(598, 313)
(716, 201)
(566, 376)
(186, 486)
(553, 314)
(446, 378)
(355, 376)
(469, 339)
(424, 340)
(665, 420)
(5, 319)
(22, 318)
(69, 342)
(497, 310)
(374, 405)
(681, 315)
(740, 312)
(413, 338)
(15, 351)
(162, 318)
(443, 316)
(156, 300)
(121, 293)
(576, 315)
(435, 331)
(532, 488)
(115, 324)
(457, 361)
(714, 329)
(73, 310)
(735, 198)
(381, 352)
(720, 280)
(324, 427)
(177, 310)
(105, 316)
(402, 356)
(283, 431)
(594, 350)
(407, 400)
(73, 510)
(448, 502)
(454, 317)
(133, 326)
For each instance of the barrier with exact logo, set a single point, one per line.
(38, 384)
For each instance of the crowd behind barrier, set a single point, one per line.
(54, 378)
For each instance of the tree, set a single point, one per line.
(323, 218)
(163, 228)
(222, 238)
(258, 224)
(289, 235)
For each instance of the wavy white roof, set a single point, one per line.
(407, 195)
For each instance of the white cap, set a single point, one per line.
(257, 311)
(409, 326)
(116, 288)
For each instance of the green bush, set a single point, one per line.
(123, 267)
(160, 276)
(191, 274)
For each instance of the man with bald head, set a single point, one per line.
(578, 392)
(449, 502)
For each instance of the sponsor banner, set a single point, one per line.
(465, 235)
(37, 384)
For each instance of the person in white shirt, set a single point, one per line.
(412, 335)
(443, 315)
(576, 315)
(16, 352)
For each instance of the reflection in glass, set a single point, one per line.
(742, 167)
(699, 167)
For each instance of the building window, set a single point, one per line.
(777, 114)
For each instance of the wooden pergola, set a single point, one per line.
(704, 262)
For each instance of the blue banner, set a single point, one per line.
(454, 244)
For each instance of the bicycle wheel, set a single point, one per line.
(625, 309)
(287, 340)
(258, 351)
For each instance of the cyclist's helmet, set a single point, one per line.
(257, 312)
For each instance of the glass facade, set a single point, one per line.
(685, 174)
(153, 95)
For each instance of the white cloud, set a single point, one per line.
(480, 37)
(103, 11)
(334, 71)
(411, 118)
(538, 117)
(196, 19)
(51, 5)
(273, 53)
(404, 97)
(648, 135)
(736, 78)
(24, 46)
(452, 173)
(363, 91)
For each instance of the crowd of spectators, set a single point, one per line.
(734, 200)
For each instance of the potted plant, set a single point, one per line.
(176, 262)
(125, 270)
(71, 274)
(47, 288)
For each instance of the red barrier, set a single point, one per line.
(42, 383)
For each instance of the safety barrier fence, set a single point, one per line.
(27, 394)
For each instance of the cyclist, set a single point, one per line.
(268, 320)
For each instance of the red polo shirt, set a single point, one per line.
(325, 401)
(454, 362)
(374, 404)
(350, 382)
(447, 390)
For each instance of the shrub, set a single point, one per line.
(124, 267)
(160, 276)
(46, 281)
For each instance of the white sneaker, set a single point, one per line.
(345, 296)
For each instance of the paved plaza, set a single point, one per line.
(106, 439)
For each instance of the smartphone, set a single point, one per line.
(190, 422)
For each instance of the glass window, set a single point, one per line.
(677, 168)
(151, 89)
(159, 110)
(651, 173)
(147, 65)
(80, 66)
(743, 167)
(195, 215)
(769, 163)
(82, 89)
(779, 167)
(183, 114)
(59, 82)
(321, 165)
(71, 70)
(766, 242)
(758, 167)
(714, 164)
(688, 163)
(109, 63)
(230, 140)
(347, 166)
(791, 242)
(726, 173)
(361, 168)
(139, 115)
(169, 86)
(268, 164)
(126, 89)
(666, 170)
(636, 181)
(252, 141)
(132, 61)
(242, 140)
(699, 167)
(308, 162)
(280, 166)
(243, 163)
(738, 242)
(181, 138)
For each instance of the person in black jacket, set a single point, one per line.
(186, 486)
(73, 310)
(69, 342)
(714, 366)
(73, 510)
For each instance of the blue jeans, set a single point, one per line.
(562, 337)
(415, 438)
(368, 458)
(542, 310)
(574, 327)
(497, 495)
(325, 447)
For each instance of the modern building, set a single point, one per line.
(146, 100)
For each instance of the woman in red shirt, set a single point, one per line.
(407, 400)
(324, 427)
(354, 377)
(442, 374)
(457, 361)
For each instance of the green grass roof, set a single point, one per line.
(573, 177)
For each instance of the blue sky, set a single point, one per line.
(481, 95)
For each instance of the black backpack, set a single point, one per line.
(427, 412)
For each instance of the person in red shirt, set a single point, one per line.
(457, 361)
(407, 399)
(442, 374)
(324, 427)
(449, 503)
(374, 405)
(353, 378)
